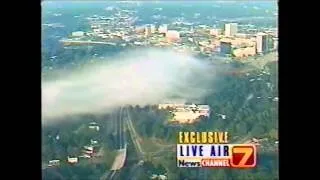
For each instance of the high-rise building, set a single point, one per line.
(231, 29)
(262, 42)
(225, 48)
(153, 28)
(140, 29)
(163, 28)
(147, 30)
(275, 43)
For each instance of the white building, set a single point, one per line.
(231, 29)
(183, 113)
(85, 156)
(223, 116)
(204, 107)
(147, 30)
(54, 163)
(204, 110)
(97, 31)
(94, 26)
(163, 28)
(158, 177)
(262, 42)
(164, 106)
(72, 160)
(244, 52)
(152, 28)
(242, 35)
(215, 32)
(275, 43)
(88, 151)
(162, 177)
(172, 35)
(93, 142)
(90, 34)
(78, 34)
(154, 176)
(88, 148)
(94, 125)
(104, 36)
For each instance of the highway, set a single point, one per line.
(120, 158)
(134, 136)
(136, 168)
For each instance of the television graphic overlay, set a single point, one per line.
(211, 149)
(121, 79)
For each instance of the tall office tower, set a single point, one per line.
(275, 43)
(231, 29)
(262, 42)
(147, 30)
(153, 28)
(163, 28)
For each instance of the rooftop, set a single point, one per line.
(261, 34)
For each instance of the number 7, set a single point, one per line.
(243, 156)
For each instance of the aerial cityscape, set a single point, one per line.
(121, 79)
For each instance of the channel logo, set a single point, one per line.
(210, 154)
(217, 155)
(243, 156)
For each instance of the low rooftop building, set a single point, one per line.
(88, 150)
(85, 156)
(203, 107)
(78, 34)
(162, 177)
(94, 125)
(54, 162)
(189, 113)
(164, 106)
(93, 142)
(72, 160)
(244, 52)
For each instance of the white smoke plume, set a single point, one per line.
(136, 78)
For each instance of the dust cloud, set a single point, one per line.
(135, 78)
